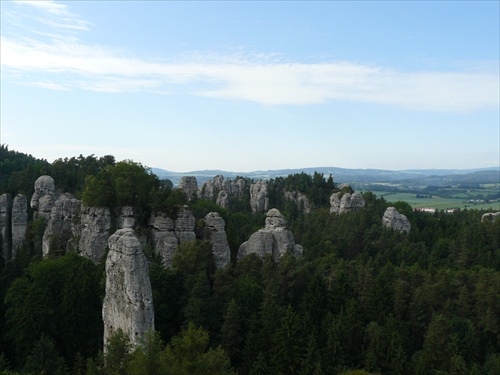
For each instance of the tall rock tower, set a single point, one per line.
(128, 303)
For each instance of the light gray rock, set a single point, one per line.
(222, 190)
(396, 221)
(491, 216)
(274, 239)
(217, 237)
(342, 202)
(222, 199)
(300, 200)
(95, 227)
(44, 197)
(189, 186)
(60, 223)
(259, 200)
(126, 219)
(6, 225)
(128, 302)
(168, 234)
(19, 222)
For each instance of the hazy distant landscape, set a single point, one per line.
(433, 188)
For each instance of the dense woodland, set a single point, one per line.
(362, 300)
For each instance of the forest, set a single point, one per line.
(363, 299)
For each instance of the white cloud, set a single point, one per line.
(278, 83)
(66, 63)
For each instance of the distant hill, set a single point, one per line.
(417, 177)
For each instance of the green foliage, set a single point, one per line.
(64, 296)
(188, 354)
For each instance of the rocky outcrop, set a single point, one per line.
(217, 236)
(94, 232)
(394, 220)
(259, 201)
(5, 225)
(19, 220)
(490, 216)
(128, 303)
(168, 234)
(60, 223)
(300, 200)
(126, 219)
(189, 186)
(346, 200)
(44, 197)
(222, 190)
(274, 239)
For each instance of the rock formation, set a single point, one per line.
(221, 190)
(396, 221)
(259, 201)
(128, 303)
(274, 239)
(490, 216)
(94, 232)
(126, 219)
(189, 186)
(168, 234)
(300, 200)
(217, 237)
(60, 223)
(19, 222)
(346, 200)
(5, 225)
(44, 196)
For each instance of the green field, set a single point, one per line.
(460, 201)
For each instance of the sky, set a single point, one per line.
(256, 85)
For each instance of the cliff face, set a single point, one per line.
(5, 224)
(259, 201)
(274, 239)
(19, 222)
(217, 237)
(300, 200)
(128, 303)
(222, 190)
(44, 197)
(95, 224)
(396, 221)
(189, 185)
(60, 222)
(342, 202)
(168, 234)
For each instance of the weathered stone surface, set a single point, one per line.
(168, 234)
(217, 237)
(189, 186)
(396, 221)
(44, 197)
(19, 222)
(222, 199)
(221, 190)
(128, 303)
(259, 201)
(342, 202)
(59, 226)
(126, 219)
(300, 200)
(95, 226)
(274, 239)
(5, 224)
(491, 216)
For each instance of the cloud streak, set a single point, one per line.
(71, 65)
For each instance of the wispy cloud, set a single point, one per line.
(264, 79)
(55, 14)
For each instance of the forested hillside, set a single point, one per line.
(363, 299)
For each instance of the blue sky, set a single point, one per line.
(246, 86)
